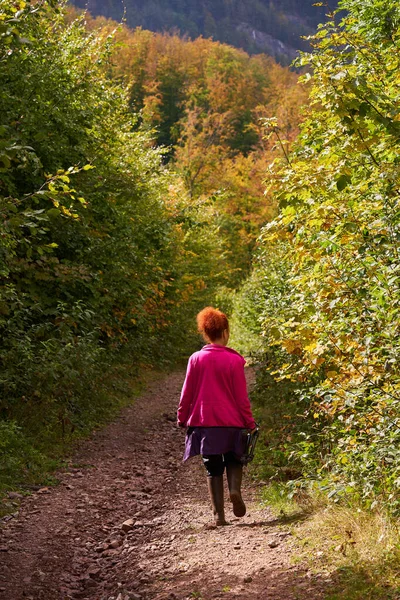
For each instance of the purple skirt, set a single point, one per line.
(214, 440)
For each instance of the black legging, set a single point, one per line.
(215, 463)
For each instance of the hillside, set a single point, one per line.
(256, 25)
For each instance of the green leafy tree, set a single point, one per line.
(90, 253)
(337, 325)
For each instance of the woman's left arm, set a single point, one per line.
(242, 399)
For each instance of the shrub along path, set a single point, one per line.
(68, 541)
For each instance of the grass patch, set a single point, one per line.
(357, 550)
(360, 549)
(275, 496)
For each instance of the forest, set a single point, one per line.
(131, 195)
(144, 176)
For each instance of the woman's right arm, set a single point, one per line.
(186, 395)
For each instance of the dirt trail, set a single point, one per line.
(67, 542)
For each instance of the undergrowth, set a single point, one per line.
(355, 550)
(29, 455)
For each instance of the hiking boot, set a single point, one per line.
(216, 491)
(234, 472)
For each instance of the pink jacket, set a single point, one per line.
(214, 393)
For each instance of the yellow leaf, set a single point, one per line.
(292, 346)
(310, 347)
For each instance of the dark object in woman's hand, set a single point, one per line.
(250, 440)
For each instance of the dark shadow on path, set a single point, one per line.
(284, 520)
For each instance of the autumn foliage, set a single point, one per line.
(206, 102)
(328, 271)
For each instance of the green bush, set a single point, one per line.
(20, 462)
(92, 258)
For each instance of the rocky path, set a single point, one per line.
(127, 523)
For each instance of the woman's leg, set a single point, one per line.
(234, 471)
(214, 465)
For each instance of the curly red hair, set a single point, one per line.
(212, 323)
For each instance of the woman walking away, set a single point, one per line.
(215, 408)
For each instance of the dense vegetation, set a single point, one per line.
(131, 169)
(325, 292)
(107, 238)
(90, 256)
(233, 22)
(206, 101)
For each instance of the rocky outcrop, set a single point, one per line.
(263, 42)
(275, 28)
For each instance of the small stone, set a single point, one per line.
(14, 496)
(284, 534)
(247, 579)
(127, 525)
(115, 544)
(273, 544)
(94, 573)
(110, 553)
